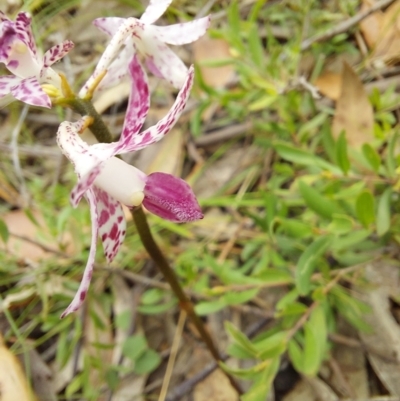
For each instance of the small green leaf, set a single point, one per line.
(236, 298)
(300, 156)
(372, 156)
(318, 203)
(318, 337)
(240, 338)
(312, 356)
(349, 240)
(295, 228)
(383, 214)
(342, 157)
(272, 346)
(263, 382)
(75, 384)
(296, 308)
(287, 299)
(147, 362)
(152, 296)
(296, 355)
(365, 208)
(237, 351)
(307, 261)
(262, 102)
(249, 373)
(256, 49)
(157, 308)
(134, 347)
(340, 224)
(207, 307)
(4, 233)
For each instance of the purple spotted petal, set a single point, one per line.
(117, 70)
(29, 91)
(112, 223)
(84, 184)
(8, 35)
(78, 152)
(109, 25)
(23, 28)
(130, 27)
(180, 34)
(6, 83)
(56, 53)
(156, 132)
(88, 272)
(139, 102)
(155, 10)
(171, 198)
(169, 65)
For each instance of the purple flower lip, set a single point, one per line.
(171, 198)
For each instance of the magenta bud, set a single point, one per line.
(171, 198)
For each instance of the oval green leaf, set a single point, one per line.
(365, 208)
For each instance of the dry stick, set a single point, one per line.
(185, 303)
(345, 25)
(172, 357)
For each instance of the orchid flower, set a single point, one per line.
(30, 69)
(107, 182)
(140, 35)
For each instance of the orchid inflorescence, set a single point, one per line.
(106, 181)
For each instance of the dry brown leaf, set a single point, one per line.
(131, 388)
(381, 31)
(329, 84)
(42, 377)
(27, 246)
(352, 380)
(216, 386)
(311, 389)
(8, 192)
(208, 49)
(13, 384)
(371, 27)
(221, 172)
(383, 345)
(354, 113)
(19, 224)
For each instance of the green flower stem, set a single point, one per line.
(168, 273)
(85, 108)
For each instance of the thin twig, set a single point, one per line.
(172, 357)
(15, 157)
(223, 134)
(345, 25)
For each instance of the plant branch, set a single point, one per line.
(345, 25)
(184, 301)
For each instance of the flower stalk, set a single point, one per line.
(85, 107)
(185, 303)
